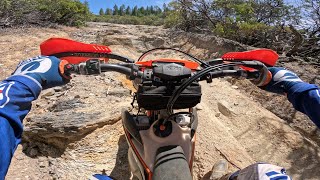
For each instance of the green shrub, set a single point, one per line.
(173, 19)
(67, 12)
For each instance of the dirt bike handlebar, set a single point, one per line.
(77, 53)
(94, 67)
(259, 77)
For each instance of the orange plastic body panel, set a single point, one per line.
(139, 157)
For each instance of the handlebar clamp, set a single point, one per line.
(134, 72)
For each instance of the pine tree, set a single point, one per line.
(128, 11)
(108, 11)
(115, 10)
(141, 11)
(165, 7)
(122, 10)
(147, 12)
(101, 12)
(157, 10)
(135, 11)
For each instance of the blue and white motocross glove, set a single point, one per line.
(282, 80)
(44, 70)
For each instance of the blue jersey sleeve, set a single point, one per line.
(16, 94)
(306, 99)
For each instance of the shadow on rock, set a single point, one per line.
(303, 155)
(37, 149)
(121, 169)
(306, 159)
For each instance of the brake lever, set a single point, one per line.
(255, 70)
(213, 62)
(260, 77)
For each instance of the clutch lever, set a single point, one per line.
(258, 71)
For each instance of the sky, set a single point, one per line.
(95, 5)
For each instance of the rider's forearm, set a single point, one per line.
(16, 94)
(306, 98)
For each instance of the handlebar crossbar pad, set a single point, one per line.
(62, 48)
(266, 56)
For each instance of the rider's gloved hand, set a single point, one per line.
(44, 70)
(282, 80)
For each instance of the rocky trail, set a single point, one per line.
(75, 131)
